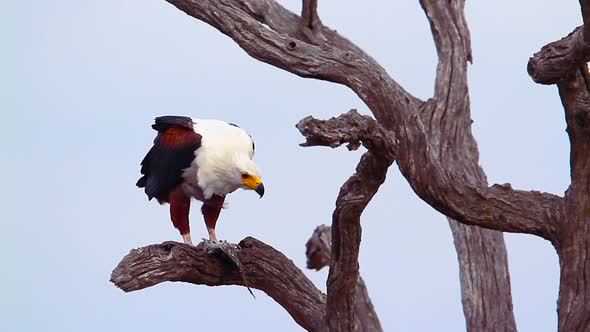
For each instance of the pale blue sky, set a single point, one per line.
(81, 82)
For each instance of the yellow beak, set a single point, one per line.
(254, 183)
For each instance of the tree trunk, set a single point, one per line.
(573, 246)
(477, 248)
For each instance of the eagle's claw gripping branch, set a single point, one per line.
(228, 251)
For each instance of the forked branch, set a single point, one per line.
(351, 128)
(355, 194)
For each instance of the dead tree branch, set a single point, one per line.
(557, 61)
(479, 249)
(564, 62)
(355, 194)
(351, 128)
(309, 14)
(266, 269)
(338, 60)
(319, 250)
(311, 23)
(573, 246)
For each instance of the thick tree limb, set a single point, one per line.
(266, 269)
(440, 142)
(309, 14)
(311, 23)
(574, 243)
(557, 61)
(337, 60)
(575, 97)
(487, 301)
(319, 250)
(564, 62)
(351, 128)
(355, 194)
(477, 249)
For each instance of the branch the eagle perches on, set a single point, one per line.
(435, 151)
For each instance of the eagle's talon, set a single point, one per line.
(211, 246)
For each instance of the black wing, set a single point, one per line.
(173, 151)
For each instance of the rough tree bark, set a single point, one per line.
(431, 142)
(355, 194)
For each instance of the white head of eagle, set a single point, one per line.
(202, 159)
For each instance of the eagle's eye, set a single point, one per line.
(245, 176)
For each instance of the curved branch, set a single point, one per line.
(318, 252)
(557, 61)
(575, 97)
(351, 128)
(309, 14)
(342, 312)
(485, 279)
(265, 268)
(354, 196)
(574, 245)
(337, 60)
(438, 154)
(311, 23)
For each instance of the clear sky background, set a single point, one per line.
(80, 84)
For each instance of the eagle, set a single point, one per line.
(201, 159)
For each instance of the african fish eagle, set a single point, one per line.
(202, 159)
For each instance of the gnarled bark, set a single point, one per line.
(318, 252)
(574, 242)
(557, 61)
(355, 194)
(564, 62)
(265, 268)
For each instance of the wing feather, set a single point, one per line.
(173, 151)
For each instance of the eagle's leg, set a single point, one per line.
(212, 235)
(180, 205)
(211, 209)
(187, 238)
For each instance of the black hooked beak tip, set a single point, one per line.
(260, 190)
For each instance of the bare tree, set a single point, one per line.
(432, 144)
